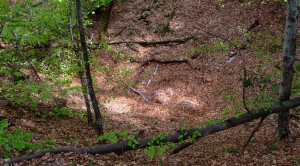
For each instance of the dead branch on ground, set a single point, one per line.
(165, 61)
(145, 43)
(253, 132)
(138, 92)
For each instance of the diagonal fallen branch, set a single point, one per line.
(138, 92)
(205, 131)
(253, 132)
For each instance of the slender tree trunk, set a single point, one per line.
(105, 22)
(87, 69)
(288, 60)
(83, 85)
(81, 75)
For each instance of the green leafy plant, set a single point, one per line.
(231, 150)
(273, 146)
(18, 140)
(116, 136)
(253, 140)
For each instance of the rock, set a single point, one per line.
(187, 104)
(169, 91)
(208, 79)
(157, 51)
(161, 99)
(199, 76)
(27, 123)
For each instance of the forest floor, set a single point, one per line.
(201, 89)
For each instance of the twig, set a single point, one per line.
(153, 75)
(180, 148)
(164, 61)
(295, 124)
(253, 132)
(136, 91)
(118, 33)
(141, 131)
(294, 116)
(129, 45)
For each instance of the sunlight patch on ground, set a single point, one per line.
(119, 105)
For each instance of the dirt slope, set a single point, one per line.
(190, 91)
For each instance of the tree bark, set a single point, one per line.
(99, 125)
(81, 75)
(121, 147)
(107, 11)
(83, 85)
(288, 60)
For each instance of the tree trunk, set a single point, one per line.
(87, 70)
(105, 22)
(81, 75)
(83, 85)
(288, 60)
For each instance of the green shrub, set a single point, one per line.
(18, 141)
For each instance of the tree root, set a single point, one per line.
(121, 147)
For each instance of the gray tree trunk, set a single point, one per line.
(288, 60)
(87, 70)
(81, 75)
(83, 85)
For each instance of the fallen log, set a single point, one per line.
(121, 147)
(145, 43)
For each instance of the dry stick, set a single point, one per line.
(136, 91)
(118, 33)
(295, 124)
(129, 45)
(253, 132)
(294, 116)
(153, 75)
(244, 64)
(165, 61)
